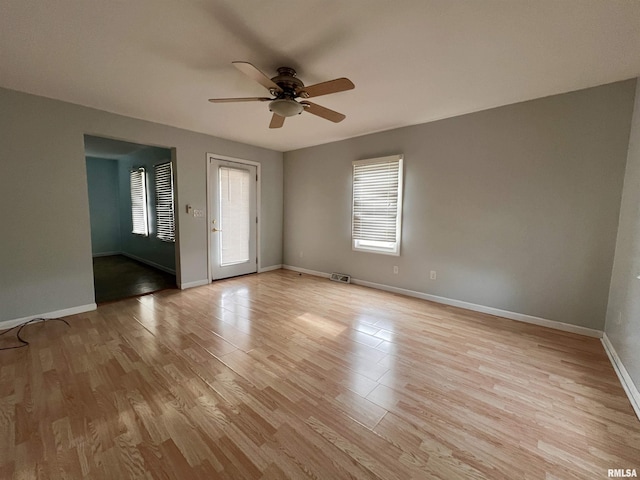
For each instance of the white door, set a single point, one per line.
(233, 218)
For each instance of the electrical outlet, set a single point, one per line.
(301, 254)
(395, 269)
(619, 319)
(432, 275)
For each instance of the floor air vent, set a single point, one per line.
(341, 277)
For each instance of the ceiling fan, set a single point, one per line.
(285, 88)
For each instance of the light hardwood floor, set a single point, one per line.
(279, 375)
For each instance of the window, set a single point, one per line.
(139, 202)
(377, 205)
(235, 215)
(165, 220)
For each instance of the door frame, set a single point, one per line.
(215, 156)
(176, 217)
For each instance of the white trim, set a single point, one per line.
(65, 312)
(197, 283)
(258, 165)
(520, 317)
(208, 210)
(394, 251)
(150, 263)
(106, 254)
(308, 272)
(176, 213)
(268, 269)
(625, 379)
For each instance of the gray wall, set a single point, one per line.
(623, 313)
(104, 205)
(149, 249)
(45, 248)
(516, 208)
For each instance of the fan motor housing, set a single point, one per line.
(287, 80)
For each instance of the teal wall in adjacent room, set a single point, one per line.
(104, 208)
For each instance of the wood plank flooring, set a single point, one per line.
(278, 375)
(116, 277)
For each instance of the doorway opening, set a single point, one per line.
(133, 220)
(233, 207)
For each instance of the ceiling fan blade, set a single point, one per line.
(323, 112)
(244, 99)
(276, 121)
(252, 72)
(325, 88)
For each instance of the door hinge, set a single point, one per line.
(256, 219)
(256, 177)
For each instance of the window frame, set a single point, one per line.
(158, 190)
(145, 198)
(373, 246)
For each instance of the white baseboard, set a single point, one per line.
(521, 317)
(197, 283)
(200, 283)
(106, 254)
(268, 269)
(150, 263)
(625, 379)
(315, 273)
(56, 314)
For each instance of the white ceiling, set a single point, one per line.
(412, 61)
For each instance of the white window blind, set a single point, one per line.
(165, 220)
(377, 205)
(139, 202)
(235, 227)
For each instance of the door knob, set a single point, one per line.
(215, 230)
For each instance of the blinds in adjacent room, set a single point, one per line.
(377, 204)
(139, 202)
(165, 220)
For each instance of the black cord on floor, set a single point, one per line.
(23, 342)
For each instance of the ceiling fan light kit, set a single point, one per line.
(286, 107)
(286, 87)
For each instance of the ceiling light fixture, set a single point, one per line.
(286, 107)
